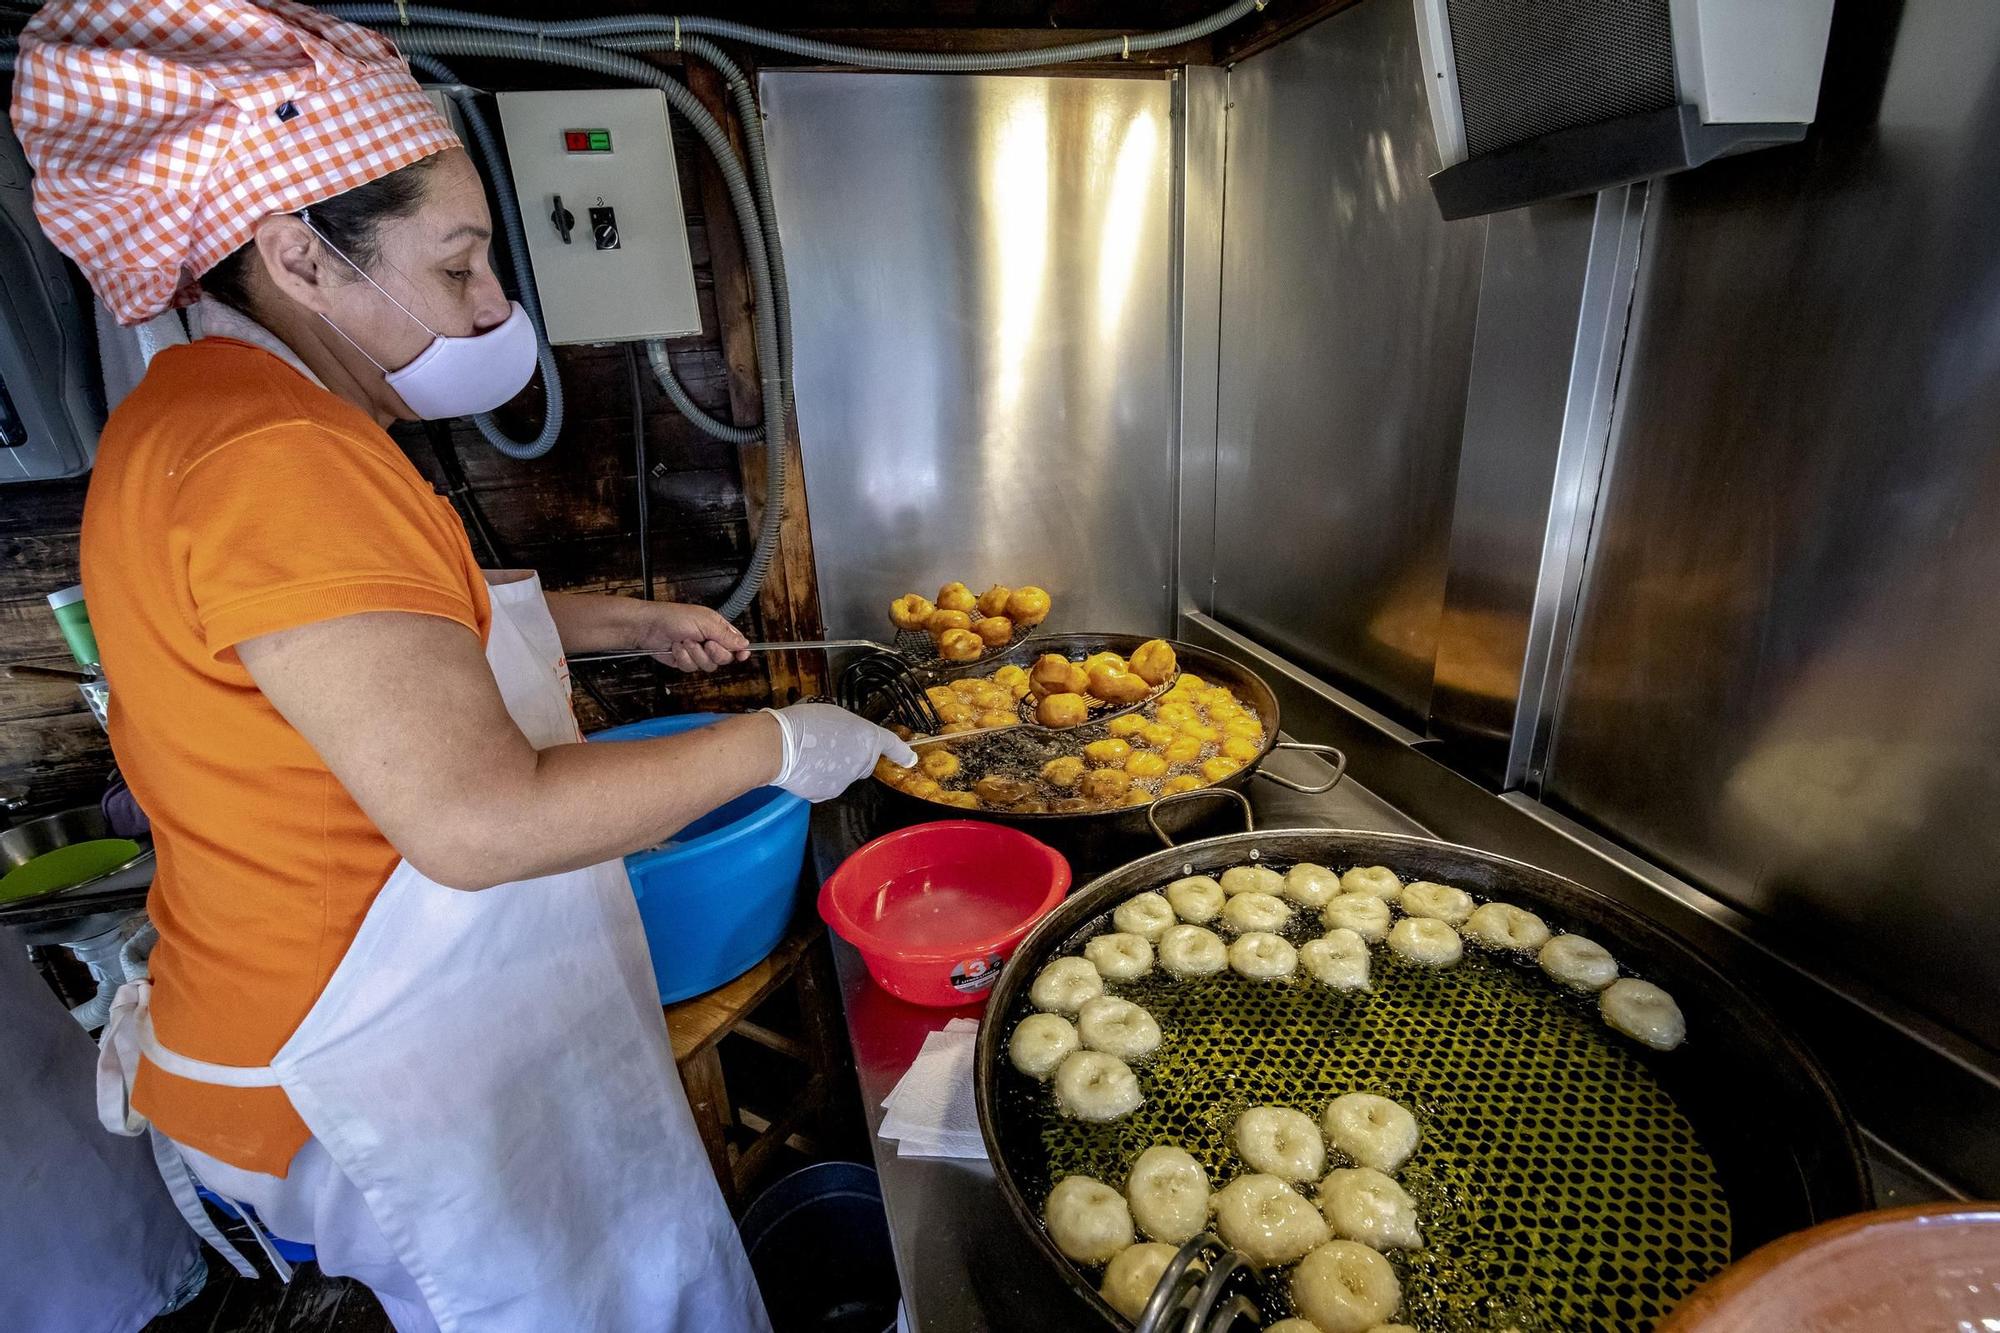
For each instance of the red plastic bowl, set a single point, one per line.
(937, 908)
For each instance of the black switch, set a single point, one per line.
(604, 228)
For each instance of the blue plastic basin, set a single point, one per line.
(716, 898)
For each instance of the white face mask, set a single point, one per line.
(453, 377)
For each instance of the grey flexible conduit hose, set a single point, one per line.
(669, 30)
(434, 41)
(493, 159)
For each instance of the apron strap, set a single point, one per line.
(180, 1183)
(201, 1071)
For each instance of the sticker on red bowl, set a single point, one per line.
(976, 974)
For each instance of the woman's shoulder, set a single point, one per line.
(211, 395)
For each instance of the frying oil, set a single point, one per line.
(1558, 1184)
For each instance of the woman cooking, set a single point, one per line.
(401, 1003)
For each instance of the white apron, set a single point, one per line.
(491, 1071)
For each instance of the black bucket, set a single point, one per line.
(818, 1242)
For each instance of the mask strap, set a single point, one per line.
(304, 217)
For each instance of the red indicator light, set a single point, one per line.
(576, 141)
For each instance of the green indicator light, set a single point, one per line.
(600, 141)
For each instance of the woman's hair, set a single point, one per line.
(351, 222)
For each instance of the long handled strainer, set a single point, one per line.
(1207, 1287)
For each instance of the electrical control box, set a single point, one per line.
(601, 202)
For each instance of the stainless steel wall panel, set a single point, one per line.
(1200, 140)
(1554, 297)
(1531, 289)
(1347, 318)
(1783, 681)
(982, 282)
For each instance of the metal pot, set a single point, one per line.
(1099, 837)
(1785, 1150)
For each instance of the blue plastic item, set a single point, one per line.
(818, 1243)
(291, 1251)
(717, 896)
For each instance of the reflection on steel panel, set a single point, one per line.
(981, 273)
(1346, 335)
(1784, 682)
(1553, 304)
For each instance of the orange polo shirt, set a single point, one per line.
(233, 497)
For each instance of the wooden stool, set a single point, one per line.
(697, 1026)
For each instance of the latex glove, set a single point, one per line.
(827, 748)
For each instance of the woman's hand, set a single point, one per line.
(827, 749)
(692, 638)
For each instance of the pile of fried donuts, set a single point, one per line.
(963, 626)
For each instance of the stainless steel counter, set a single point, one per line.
(965, 1267)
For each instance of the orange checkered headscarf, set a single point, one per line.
(161, 131)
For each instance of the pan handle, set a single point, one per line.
(1153, 810)
(1339, 762)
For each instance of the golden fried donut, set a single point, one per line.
(952, 709)
(958, 645)
(1188, 687)
(940, 695)
(1138, 795)
(1245, 726)
(1179, 783)
(1157, 735)
(1146, 764)
(910, 611)
(994, 631)
(1069, 805)
(939, 764)
(1115, 685)
(965, 687)
(1241, 748)
(1201, 731)
(896, 775)
(998, 717)
(1220, 767)
(1062, 772)
(941, 621)
(1126, 728)
(1063, 710)
(1104, 785)
(985, 696)
(1222, 710)
(1055, 674)
(953, 728)
(1107, 753)
(1104, 657)
(1153, 661)
(1177, 713)
(924, 789)
(955, 596)
(997, 790)
(993, 602)
(1013, 679)
(964, 800)
(1028, 606)
(1182, 750)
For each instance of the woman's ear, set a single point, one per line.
(294, 260)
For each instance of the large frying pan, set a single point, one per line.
(1100, 836)
(1786, 1153)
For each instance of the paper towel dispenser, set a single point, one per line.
(1541, 99)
